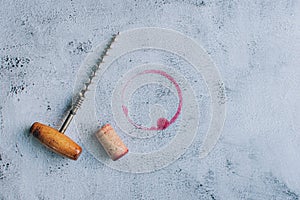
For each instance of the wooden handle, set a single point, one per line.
(56, 141)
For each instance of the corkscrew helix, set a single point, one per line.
(81, 94)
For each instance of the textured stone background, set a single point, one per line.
(256, 46)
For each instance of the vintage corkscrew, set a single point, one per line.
(65, 146)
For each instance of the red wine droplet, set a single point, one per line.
(162, 123)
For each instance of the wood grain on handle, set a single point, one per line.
(56, 141)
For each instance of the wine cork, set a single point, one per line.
(111, 142)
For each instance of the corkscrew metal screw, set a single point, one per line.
(81, 94)
(56, 140)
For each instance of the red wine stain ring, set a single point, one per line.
(162, 123)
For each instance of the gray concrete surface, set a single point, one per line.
(255, 45)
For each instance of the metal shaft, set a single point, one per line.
(80, 99)
(66, 122)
